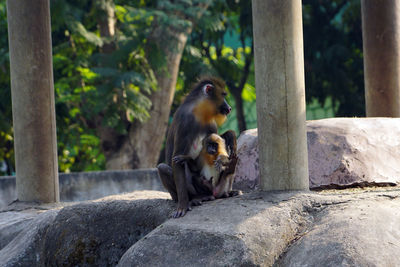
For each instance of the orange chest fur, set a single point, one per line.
(205, 112)
(209, 159)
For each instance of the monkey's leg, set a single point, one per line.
(181, 188)
(203, 190)
(231, 169)
(165, 173)
(186, 162)
(206, 191)
(189, 179)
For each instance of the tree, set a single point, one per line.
(169, 35)
(333, 54)
(210, 53)
(116, 65)
(6, 134)
(102, 78)
(127, 75)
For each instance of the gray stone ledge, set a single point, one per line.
(91, 185)
(330, 228)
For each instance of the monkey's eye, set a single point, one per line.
(224, 94)
(208, 88)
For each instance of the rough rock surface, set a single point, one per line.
(331, 228)
(247, 171)
(242, 231)
(87, 234)
(353, 233)
(342, 152)
(281, 229)
(12, 223)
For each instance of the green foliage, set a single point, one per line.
(221, 45)
(6, 139)
(96, 88)
(101, 81)
(333, 55)
(105, 81)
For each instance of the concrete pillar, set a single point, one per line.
(32, 93)
(281, 112)
(381, 43)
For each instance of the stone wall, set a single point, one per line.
(91, 185)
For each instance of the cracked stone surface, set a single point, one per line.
(93, 233)
(352, 227)
(342, 152)
(357, 233)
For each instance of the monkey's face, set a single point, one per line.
(210, 104)
(216, 94)
(214, 145)
(212, 148)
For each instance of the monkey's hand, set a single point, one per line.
(221, 163)
(233, 156)
(179, 159)
(232, 164)
(198, 201)
(218, 165)
(235, 193)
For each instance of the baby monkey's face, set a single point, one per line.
(212, 148)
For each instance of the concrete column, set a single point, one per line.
(281, 112)
(381, 42)
(32, 92)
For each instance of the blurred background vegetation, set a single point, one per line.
(113, 59)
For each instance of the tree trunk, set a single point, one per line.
(106, 24)
(141, 149)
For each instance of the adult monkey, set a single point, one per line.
(202, 111)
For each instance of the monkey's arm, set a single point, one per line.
(231, 166)
(224, 186)
(190, 170)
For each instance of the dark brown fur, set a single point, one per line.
(197, 116)
(219, 155)
(224, 186)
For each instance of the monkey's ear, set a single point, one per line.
(207, 89)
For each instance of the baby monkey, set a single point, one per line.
(210, 175)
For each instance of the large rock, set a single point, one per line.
(342, 152)
(278, 229)
(350, 227)
(357, 233)
(12, 223)
(245, 231)
(87, 234)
